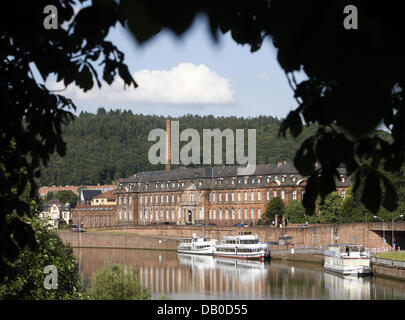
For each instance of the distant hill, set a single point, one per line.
(107, 146)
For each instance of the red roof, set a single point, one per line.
(108, 194)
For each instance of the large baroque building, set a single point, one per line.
(221, 195)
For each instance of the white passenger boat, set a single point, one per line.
(243, 246)
(197, 245)
(347, 259)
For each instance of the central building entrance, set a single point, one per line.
(189, 216)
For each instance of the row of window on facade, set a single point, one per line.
(92, 221)
(167, 215)
(212, 197)
(218, 181)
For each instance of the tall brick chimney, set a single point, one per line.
(168, 145)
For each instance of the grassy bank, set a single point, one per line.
(394, 255)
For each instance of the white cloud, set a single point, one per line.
(184, 84)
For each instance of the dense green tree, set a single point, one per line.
(67, 196)
(49, 196)
(112, 282)
(329, 208)
(275, 206)
(64, 196)
(295, 212)
(25, 279)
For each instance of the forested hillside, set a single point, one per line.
(106, 146)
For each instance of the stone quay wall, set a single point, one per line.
(311, 236)
(388, 271)
(168, 236)
(117, 240)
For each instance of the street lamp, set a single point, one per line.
(393, 219)
(375, 217)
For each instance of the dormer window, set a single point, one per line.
(343, 179)
(294, 178)
(282, 178)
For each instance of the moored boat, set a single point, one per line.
(243, 246)
(197, 245)
(347, 259)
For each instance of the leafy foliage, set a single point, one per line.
(295, 212)
(112, 282)
(26, 277)
(329, 207)
(64, 196)
(273, 208)
(32, 115)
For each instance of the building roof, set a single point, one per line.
(220, 177)
(108, 194)
(89, 194)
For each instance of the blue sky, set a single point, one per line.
(193, 75)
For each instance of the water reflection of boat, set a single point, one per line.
(236, 264)
(242, 246)
(196, 261)
(347, 287)
(197, 245)
(347, 259)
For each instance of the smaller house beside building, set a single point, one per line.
(88, 216)
(96, 210)
(106, 198)
(56, 212)
(86, 195)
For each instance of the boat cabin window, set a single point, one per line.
(249, 241)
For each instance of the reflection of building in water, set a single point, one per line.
(207, 277)
(204, 277)
(347, 288)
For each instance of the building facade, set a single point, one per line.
(98, 216)
(216, 195)
(55, 212)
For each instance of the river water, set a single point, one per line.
(180, 277)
